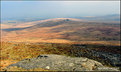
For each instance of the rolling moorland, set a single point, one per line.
(73, 37)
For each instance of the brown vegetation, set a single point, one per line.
(67, 30)
(35, 38)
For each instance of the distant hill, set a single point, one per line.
(64, 30)
(106, 18)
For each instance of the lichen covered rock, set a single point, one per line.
(59, 63)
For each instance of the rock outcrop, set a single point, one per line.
(61, 63)
(108, 58)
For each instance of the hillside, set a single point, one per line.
(63, 30)
(14, 52)
(106, 18)
(99, 41)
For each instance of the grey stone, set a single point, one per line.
(59, 63)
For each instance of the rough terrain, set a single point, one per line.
(106, 56)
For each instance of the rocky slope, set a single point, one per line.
(61, 63)
(103, 55)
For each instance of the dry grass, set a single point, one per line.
(115, 43)
(5, 63)
(65, 32)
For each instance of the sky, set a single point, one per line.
(44, 9)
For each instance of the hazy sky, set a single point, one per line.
(43, 9)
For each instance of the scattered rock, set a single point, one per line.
(107, 58)
(71, 64)
(47, 67)
(41, 56)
